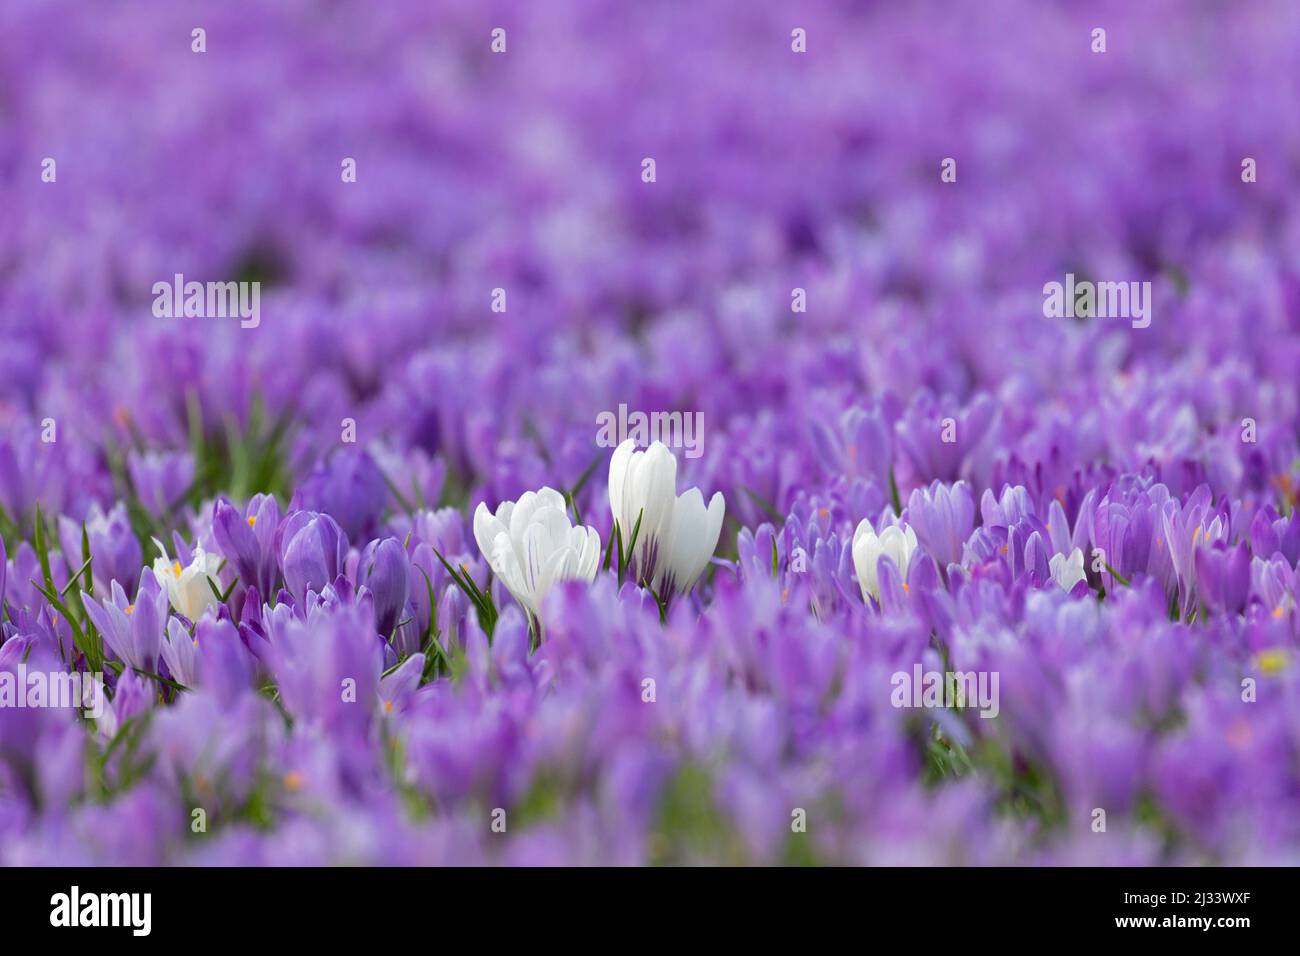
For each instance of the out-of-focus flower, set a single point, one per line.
(180, 652)
(1273, 535)
(861, 443)
(1223, 577)
(678, 534)
(939, 437)
(349, 486)
(113, 546)
(160, 479)
(212, 657)
(531, 544)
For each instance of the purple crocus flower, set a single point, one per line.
(350, 487)
(180, 653)
(1223, 577)
(133, 630)
(1273, 581)
(1186, 530)
(160, 479)
(247, 539)
(385, 570)
(313, 552)
(329, 670)
(113, 546)
(939, 438)
(943, 517)
(398, 687)
(1271, 535)
(860, 445)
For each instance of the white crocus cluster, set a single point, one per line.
(678, 534)
(187, 585)
(897, 543)
(531, 544)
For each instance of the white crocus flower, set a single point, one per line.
(678, 534)
(187, 587)
(531, 544)
(1067, 572)
(898, 543)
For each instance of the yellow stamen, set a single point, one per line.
(388, 707)
(252, 520)
(1272, 661)
(130, 609)
(1278, 611)
(907, 587)
(293, 780)
(824, 512)
(176, 568)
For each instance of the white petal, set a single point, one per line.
(618, 468)
(654, 495)
(486, 529)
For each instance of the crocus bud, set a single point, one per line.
(314, 555)
(385, 570)
(349, 486)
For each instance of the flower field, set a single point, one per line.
(682, 433)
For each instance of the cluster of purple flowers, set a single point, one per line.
(361, 583)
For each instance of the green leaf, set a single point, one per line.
(487, 612)
(609, 545)
(85, 567)
(174, 685)
(766, 506)
(90, 649)
(402, 501)
(625, 561)
(89, 584)
(42, 548)
(571, 496)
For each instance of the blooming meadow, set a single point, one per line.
(952, 354)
